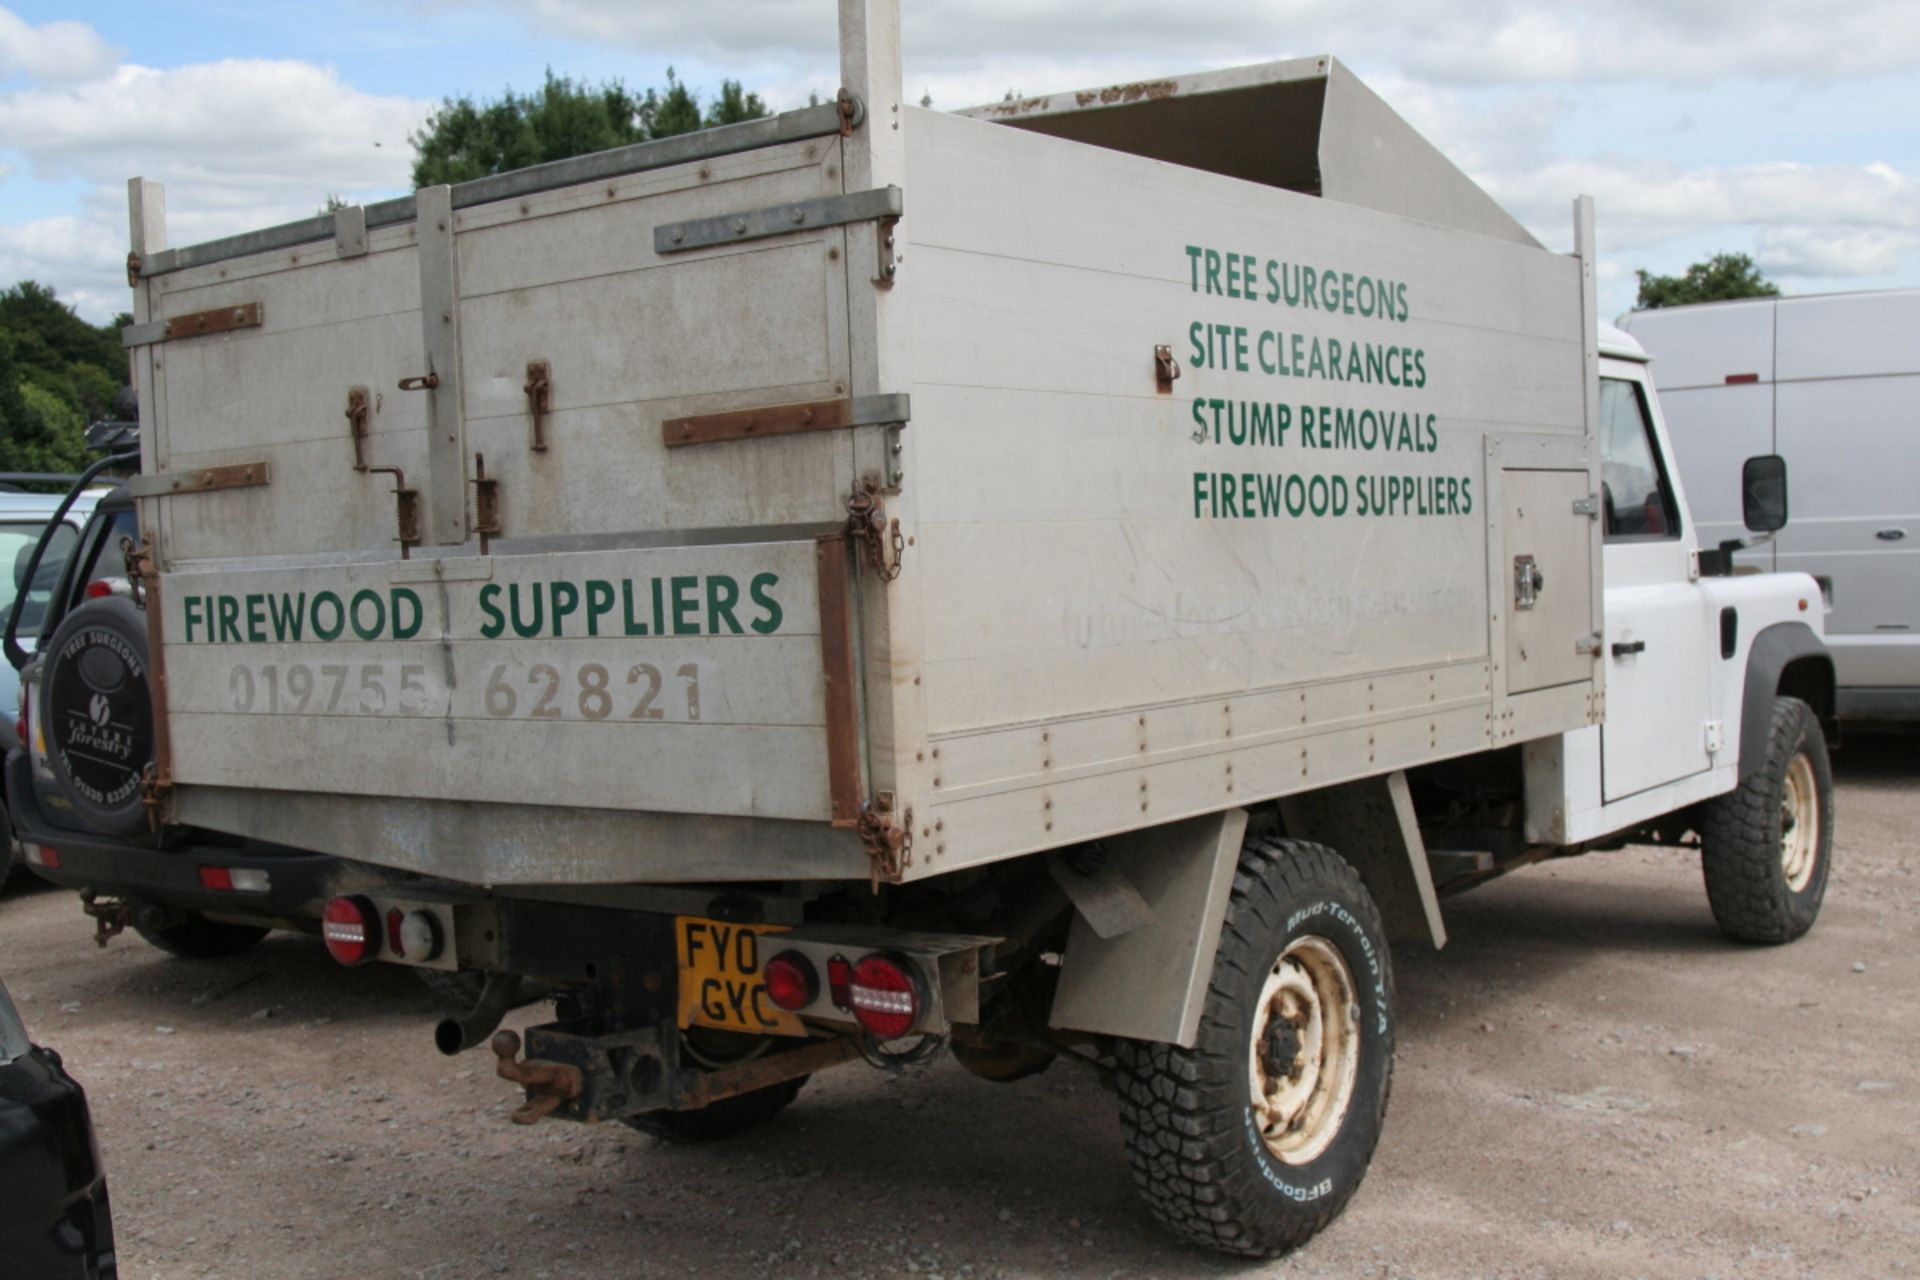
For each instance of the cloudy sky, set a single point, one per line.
(1782, 128)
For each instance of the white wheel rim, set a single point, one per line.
(1304, 1055)
(1799, 824)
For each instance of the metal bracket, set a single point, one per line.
(887, 265)
(1589, 644)
(350, 231)
(406, 508)
(785, 419)
(1588, 506)
(486, 502)
(889, 847)
(235, 475)
(758, 224)
(539, 389)
(195, 324)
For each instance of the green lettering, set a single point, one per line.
(256, 619)
(600, 601)
(686, 607)
(536, 606)
(405, 630)
(571, 595)
(761, 589)
(368, 631)
(190, 608)
(496, 622)
(229, 619)
(632, 625)
(722, 594)
(322, 630)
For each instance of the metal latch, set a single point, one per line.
(539, 389)
(486, 502)
(1589, 645)
(1527, 582)
(1165, 367)
(868, 525)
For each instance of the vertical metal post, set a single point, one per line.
(446, 484)
(1583, 249)
(147, 235)
(887, 616)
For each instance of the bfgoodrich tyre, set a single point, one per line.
(1767, 846)
(1256, 1138)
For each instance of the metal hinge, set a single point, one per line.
(867, 522)
(889, 847)
(1715, 736)
(1588, 506)
(1589, 645)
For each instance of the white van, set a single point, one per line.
(1831, 383)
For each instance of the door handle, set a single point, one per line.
(1622, 648)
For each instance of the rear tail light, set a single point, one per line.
(350, 926)
(792, 981)
(41, 855)
(235, 879)
(99, 589)
(884, 994)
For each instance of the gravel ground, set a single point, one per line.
(1591, 1083)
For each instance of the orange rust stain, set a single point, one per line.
(1149, 89)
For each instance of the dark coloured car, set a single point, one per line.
(54, 1220)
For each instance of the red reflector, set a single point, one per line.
(350, 926)
(43, 855)
(1736, 379)
(885, 998)
(791, 980)
(840, 982)
(216, 878)
(395, 918)
(99, 589)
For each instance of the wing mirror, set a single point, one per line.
(1763, 493)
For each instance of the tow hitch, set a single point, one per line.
(110, 917)
(548, 1084)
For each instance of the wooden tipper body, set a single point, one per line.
(867, 491)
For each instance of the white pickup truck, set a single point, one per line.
(1073, 578)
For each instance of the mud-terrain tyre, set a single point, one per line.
(1301, 934)
(721, 1119)
(1767, 846)
(195, 937)
(98, 713)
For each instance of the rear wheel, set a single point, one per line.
(1255, 1138)
(194, 937)
(721, 1119)
(1765, 847)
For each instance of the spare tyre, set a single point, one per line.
(98, 713)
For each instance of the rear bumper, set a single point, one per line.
(170, 873)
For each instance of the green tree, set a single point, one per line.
(1719, 278)
(57, 373)
(466, 139)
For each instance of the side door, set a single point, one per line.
(1658, 631)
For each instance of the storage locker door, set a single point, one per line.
(1549, 579)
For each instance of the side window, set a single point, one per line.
(17, 542)
(1633, 485)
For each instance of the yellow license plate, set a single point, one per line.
(720, 980)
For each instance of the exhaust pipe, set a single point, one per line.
(456, 1034)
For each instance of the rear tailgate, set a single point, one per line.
(682, 679)
(420, 529)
